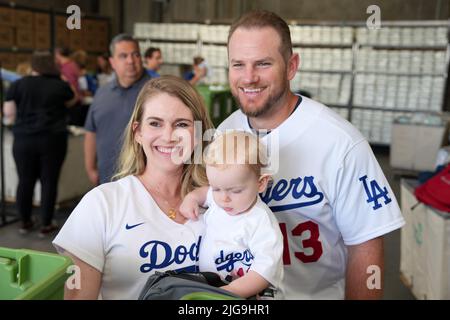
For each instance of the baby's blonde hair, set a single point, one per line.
(237, 147)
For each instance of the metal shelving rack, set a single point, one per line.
(399, 70)
(326, 63)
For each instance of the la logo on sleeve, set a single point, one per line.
(374, 192)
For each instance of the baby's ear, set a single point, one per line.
(263, 181)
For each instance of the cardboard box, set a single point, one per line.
(60, 23)
(7, 17)
(23, 57)
(62, 38)
(76, 40)
(41, 22)
(6, 37)
(99, 28)
(103, 28)
(24, 19)
(95, 28)
(8, 60)
(415, 147)
(89, 26)
(24, 38)
(90, 43)
(102, 45)
(41, 40)
(425, 247)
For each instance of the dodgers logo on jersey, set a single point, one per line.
(375, 193)
(160, 255)
(303, 191)
(226, 262)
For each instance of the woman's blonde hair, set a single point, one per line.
(237, 147)
(132, 160)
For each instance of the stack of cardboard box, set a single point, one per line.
(22, 31)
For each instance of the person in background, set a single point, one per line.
(22, 69)
(112, 108)
(86, 82)
(153, 61)
(9, 76)
(198, 72)
(69, 70)
(104, 72)
(37, 104)
(87, 85)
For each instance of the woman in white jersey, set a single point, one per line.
(122, 232)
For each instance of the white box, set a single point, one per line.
(415, 147)
(425, 247)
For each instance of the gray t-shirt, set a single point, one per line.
(108, 117)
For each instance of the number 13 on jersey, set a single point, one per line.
(312, 242)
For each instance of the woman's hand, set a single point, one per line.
(189, 208)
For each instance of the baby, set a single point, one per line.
(242, 237)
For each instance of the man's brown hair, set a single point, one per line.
(260, 19)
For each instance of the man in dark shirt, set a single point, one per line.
(112, 108)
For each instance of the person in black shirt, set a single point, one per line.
(38, 106)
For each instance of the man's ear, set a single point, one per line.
(293, 64)
(263, 181)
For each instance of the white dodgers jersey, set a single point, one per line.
(328, 192)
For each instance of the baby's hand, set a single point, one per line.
(189, 208)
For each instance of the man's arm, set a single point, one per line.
(90, 161)
(360, 257)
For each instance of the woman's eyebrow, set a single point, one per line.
(176, 120)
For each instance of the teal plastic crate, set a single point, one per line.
(219, 102)
(32, 275)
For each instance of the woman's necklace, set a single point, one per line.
(172, 211)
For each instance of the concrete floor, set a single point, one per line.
(394, 288)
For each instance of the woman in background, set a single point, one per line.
(37, 104)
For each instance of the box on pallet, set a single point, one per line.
(425, 247)
(415, 145)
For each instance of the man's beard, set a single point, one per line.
(265, 109)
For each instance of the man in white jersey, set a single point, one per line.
(330, 196)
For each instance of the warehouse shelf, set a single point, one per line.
(398, 47)
(324, 71)
(338, 106)
(392, 109)
(403, 74)
(158, 40)
(321, 46)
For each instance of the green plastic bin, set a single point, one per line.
(32, 275)
(206, 296)
(219, 101)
